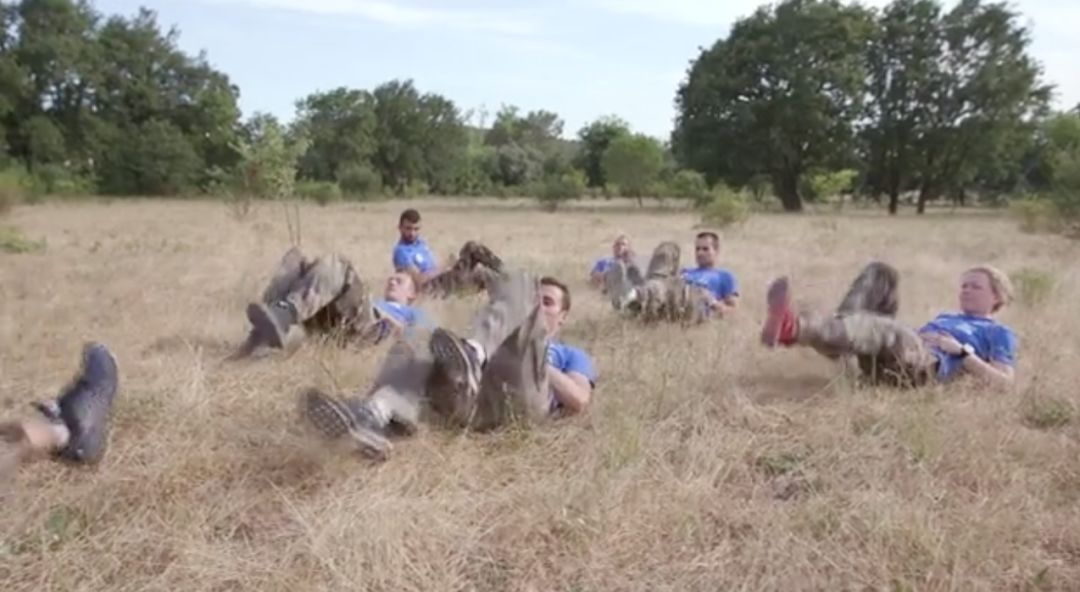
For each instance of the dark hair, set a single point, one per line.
(550, 281)
(712, 236)
(410, 215)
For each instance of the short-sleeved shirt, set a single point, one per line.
(993, 341)
(567, 358)
(407, 316)
(402, 313)
(604, 263)
(719, 282)
(415, 254)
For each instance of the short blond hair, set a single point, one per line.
(999, 283)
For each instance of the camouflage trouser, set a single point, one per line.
(327, 292)
(476, 267)
(864, 326)
(663, 294)
(513, 383)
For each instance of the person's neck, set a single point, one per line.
(980, 314)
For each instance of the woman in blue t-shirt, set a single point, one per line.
(969, 341)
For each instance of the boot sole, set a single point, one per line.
(616, 284)
(449, 358)
(334, 421)
(778, 303)
(85, 407)
(264, 325)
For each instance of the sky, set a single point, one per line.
(579, 58)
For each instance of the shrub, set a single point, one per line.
(13, 182)
(416, 188)
(1045, 412)
(726, 208)
(359, 180)
(556, 189)
(14, 241)
(1033, 286)
(321, 192)
(1036, 214)
(690, 185)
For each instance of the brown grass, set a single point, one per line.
(707, 462)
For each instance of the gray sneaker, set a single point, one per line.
(455, 377)
(334, 420)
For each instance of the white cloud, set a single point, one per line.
(399, 14)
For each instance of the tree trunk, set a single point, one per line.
(786, 185)
(894, 193)
(926, 193)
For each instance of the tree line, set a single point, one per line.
(804, 100)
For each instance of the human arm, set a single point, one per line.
(994, 372)
(727, 294)
(572, 389)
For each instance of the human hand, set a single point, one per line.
(945, 342)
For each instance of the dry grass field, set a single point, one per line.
(706, 463)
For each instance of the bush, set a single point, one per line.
(1036, 214)
(416, 188)
(13, 241)
(1046, 412)
(726, 208)
(359, 180)
(690, 185)
(13, 182)
(321, 192)
(556, 189)
(1033, 286)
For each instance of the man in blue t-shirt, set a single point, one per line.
(411, 253)
(620, 251)
(327, 295)
(968, 342)
(720, 283)
(514, 366)
(667, 291)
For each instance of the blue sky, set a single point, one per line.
(581, 59)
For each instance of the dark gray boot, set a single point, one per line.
(85, 406)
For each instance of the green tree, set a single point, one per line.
(902, 59)
(417, 137)
(977, 93)
(101, 85)
(269, 158)
(778, 96)
(633, 162)
(341, 127)
(595, 139)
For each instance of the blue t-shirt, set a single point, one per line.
(415, 254)
(402, 313)
(408, 316)
(719, 282)
(567, 358)
(602, 264)
(992, 341)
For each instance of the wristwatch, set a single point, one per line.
(966, 350)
